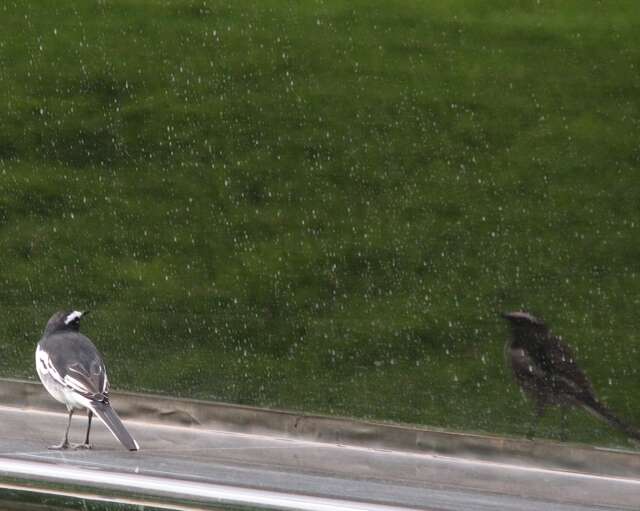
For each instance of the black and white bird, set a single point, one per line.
(71, 369)
(546, 370)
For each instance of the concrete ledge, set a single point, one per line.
(244, 419)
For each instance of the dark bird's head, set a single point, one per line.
(525, 324)
(64, 320)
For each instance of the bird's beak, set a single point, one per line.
(505, 315)
(84, 313)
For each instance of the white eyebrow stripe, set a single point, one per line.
(72, 317)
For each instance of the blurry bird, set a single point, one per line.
(73, 372)
(547, 372)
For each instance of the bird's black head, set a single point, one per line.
(522, 321)
(64, 320)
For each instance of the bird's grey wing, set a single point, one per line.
(91, 383)
(76, 364)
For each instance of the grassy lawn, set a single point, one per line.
(323, 205)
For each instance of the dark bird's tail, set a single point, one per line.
(602, 412)
(114, 424)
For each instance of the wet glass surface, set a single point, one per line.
(325, 207)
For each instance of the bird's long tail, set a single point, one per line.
(602, 412)
(114, 424)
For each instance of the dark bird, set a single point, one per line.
(71, 369)
(546, 370)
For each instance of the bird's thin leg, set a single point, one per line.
(536, 419)
(563, 425)
(86, 444)
(65, 441)
(90, 415)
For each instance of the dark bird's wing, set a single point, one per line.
(567, 377)
(530, 372)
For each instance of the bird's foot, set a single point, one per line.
(81, 446)
(59, 447)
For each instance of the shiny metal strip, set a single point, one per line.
(93, 497)
(180, 489)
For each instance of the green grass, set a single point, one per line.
(322, 206)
